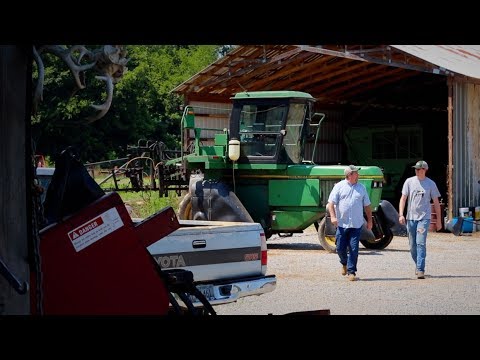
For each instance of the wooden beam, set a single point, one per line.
(331, 74)
(207, 98)
(348, 94)
(320, 50)
(324, 101)
(389, 62)
(450, 149)
(341, 89)
(366, 51)
(252, 74)
(347, 75)
(16, 177)
(241, 69)
(272, 68)
(298, 74)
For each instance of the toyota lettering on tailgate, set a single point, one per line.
(170, 261)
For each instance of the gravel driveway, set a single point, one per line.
(309, 279)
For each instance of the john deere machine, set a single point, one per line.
(259, 170)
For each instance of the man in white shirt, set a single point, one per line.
(346, 204)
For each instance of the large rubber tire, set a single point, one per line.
(327, 242)
(185, 208)
(380, 243)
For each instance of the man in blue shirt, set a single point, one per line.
(346, 204)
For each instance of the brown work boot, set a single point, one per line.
(420, 275)
(344, 269)
(351, 277)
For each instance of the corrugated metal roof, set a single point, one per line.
(461, 59)
(329, 73)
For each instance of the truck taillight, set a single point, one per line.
(264, 257)
(264, 252)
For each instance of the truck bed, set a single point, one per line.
(211, 250)
(228, 259)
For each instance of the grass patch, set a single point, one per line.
(143, 203)
(146, 203)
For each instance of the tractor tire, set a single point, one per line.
(327, 242)
(185, 208)
(380, 243)
(384, 221)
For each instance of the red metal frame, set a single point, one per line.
(95, 262)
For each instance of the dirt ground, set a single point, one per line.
(309, 279)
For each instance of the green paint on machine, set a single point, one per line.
(274, 181)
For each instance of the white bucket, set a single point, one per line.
(464, 212)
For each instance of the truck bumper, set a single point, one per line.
(224, 292)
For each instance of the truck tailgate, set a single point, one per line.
(212, 249)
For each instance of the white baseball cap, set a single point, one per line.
(350, 168)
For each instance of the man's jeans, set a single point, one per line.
(417, 237)
(348, 238)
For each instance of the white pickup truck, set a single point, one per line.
(228, 259)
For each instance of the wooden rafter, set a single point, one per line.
(346, 72)
(338, 90)
(378, 84)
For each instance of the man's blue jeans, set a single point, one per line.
(417, 237)
(348, 239)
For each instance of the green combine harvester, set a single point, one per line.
(258, 170)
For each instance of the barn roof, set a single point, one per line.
(332, 73)
(460, 59)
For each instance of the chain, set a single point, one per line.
(37, 219)
(36, 253)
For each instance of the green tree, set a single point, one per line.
(143, 106)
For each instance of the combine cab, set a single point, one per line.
(258, 170)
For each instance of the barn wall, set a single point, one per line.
(212, 115)
(466, 146)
